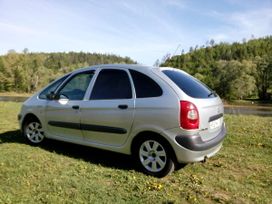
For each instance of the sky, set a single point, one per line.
(145, 30)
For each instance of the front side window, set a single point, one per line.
(111, 84)
(52, 87)
(145, 86)
(76, 87)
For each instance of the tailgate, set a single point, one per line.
(211, 112)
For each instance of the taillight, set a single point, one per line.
(189, 117)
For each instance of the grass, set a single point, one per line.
(59, 172)
(15, 94)
(250, 103)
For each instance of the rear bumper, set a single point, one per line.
(195, 143)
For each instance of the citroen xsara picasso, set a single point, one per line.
(162, 116)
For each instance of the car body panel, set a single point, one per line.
(62, 121)
(108, 124)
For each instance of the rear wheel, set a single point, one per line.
(33, 132)
(153, 157)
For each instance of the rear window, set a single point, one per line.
(191, 86)
(145, 86)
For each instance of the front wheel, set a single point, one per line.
(153, 157)
(33, 132)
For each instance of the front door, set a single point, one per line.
(63, 115)
(106, 119)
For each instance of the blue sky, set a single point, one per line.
(144, 30)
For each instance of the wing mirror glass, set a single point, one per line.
(51, 96)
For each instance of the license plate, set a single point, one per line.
(215, 124)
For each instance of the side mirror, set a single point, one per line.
(63, 99)
(51, 96)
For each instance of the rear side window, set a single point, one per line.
(112, 84)
(191, 86)
(145, 86)
(52, 87)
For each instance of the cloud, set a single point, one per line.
(257, 22)
(219, 37)
(180, 4)
(12, 28)
(238, 25)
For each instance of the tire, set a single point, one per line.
(33, 132)
(153, 157)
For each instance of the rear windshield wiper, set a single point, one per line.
(212, 93)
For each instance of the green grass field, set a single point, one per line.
(58, 172)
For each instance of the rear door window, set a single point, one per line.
(111, 84)
(145, 86)
(191, 86)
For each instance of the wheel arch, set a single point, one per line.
(29, 117)
(147, 134)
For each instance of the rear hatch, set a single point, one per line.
(209, 105)
(211, 117)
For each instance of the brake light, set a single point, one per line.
(189, 117)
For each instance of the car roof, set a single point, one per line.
(112, 66)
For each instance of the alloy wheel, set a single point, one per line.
(34, 132)
(152, 156)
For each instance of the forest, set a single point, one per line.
(27, 72)
(234, 71)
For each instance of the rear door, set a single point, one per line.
(106, 118)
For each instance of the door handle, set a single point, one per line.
(123, 106)
(76, 107)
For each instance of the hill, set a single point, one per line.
(27, 72)
(235, 71)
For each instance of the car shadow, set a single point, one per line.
(88, 154)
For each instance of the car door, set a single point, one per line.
(63, 114)
(107, 117)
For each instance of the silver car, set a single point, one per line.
(161, 116)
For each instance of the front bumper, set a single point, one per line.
(19, 117)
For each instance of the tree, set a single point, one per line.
(19, 84)
(11, 51)
(165, 57)
(157, 63)
(245, 84)
(28, 72)
(212, 42)
(25, 51)
(263, 76)
(233, 70)
(235, 80)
